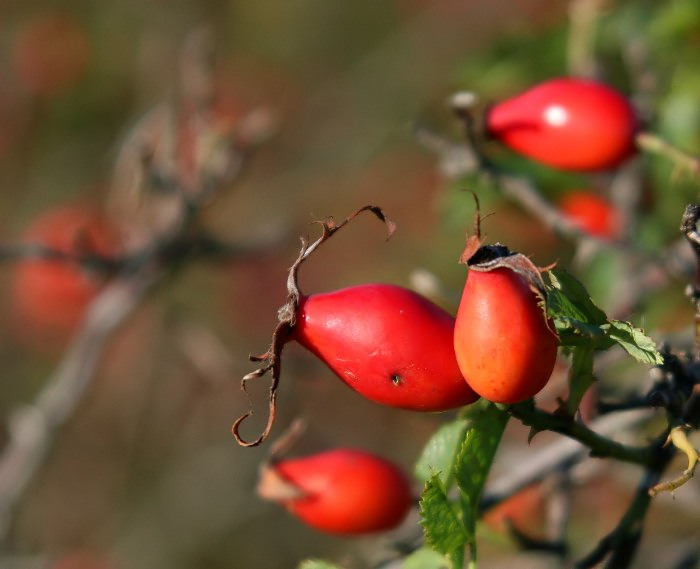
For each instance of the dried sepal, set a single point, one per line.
(286, 320)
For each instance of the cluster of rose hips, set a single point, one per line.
(395, 347)
(388, 343)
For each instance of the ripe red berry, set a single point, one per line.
(504, 344)
(591, 213)
(388, 343)
(49, 296)
(342, 491)
(568, 123)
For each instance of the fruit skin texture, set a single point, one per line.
(567, 123)
(388, 343)
(591, 213)
(49, 297)
(347, 491)
(502, 341)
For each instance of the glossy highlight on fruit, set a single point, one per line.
(388, 343)
(592, 213)
(342, 491)
(503, 343)
(567, 123)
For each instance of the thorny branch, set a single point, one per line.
(286, 316)
(599, 446)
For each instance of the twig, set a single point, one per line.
(557, 455)
(583, 15)
(32, 427)
(689, 228)
(599, 446)
(621, 543)
(682, 160)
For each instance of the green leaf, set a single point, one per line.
(473, 463)
(425, 558)
(318, 564)
(443, 527)
(439, 453)
(569, 301)
(580, 377)
(580, 323)
(637, 344)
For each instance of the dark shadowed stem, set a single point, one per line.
(620, 545)
(689, 228)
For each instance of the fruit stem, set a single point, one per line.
(599, 446)
(682, 160)
(286, 316)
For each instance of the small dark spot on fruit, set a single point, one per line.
(396, 379)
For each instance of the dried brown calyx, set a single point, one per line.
(481, 257)
(271, 360)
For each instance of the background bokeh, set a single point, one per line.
(146, 475)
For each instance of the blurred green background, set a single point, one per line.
(146, 474)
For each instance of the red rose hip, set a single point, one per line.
(388, 343)
(567, 123)
(341, 491)
(50, 296)
(591, 213)
(503, 342)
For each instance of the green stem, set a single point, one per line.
(599, 446)
(457, 559)
(655, 145)
(472, 555)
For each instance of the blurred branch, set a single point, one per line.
(583, 15)
(32, 427)
(458, 159)
(192, 165)
(621, 543)
(681, 160)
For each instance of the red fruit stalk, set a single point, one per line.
(341, 491)
(568, 123)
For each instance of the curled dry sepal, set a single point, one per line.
(286, 320)
(480, 257)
